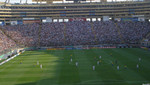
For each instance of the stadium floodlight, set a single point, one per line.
(37, 1)
(8, 1)
(20, 1)
(5, 1)
(26, 1)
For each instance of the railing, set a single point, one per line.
(120, 35)
(17, 43)
(93, 31)
(39, 34)
(146, 37)
(6, 34)
(8, 50)
(64, 33)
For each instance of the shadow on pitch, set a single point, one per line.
(54, 79)
(48, 81)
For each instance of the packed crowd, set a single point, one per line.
(5, 42)
(133, 32)
(79, 33)
(148, 37)
(52, 34)
(106, 32)
(26, 35)
(75, 33)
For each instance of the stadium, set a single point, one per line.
(75, 42)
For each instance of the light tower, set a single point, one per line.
(103, 0)
(146, 0)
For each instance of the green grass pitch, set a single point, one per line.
(59, 70)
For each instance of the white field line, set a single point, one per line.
(9, 59)
(97, 82)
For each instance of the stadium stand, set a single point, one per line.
(70, 24)
(134, 31)
(5, 42)
(26, 35)
(52, 34)
(148, 37)
(77, 33)
(107, 32)
(75, 42)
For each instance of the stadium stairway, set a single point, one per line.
(9, 36)
(118, 29)
(93, 31)
(147, 35)
(64, 33)
(39, 36)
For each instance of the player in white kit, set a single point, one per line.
(71, 59)
(100, 57)
(137, 66)
(97, 62)
(76, 63)
(139, 59)
(37, 62)
(118, 67)
(93, 68)
(41, 66)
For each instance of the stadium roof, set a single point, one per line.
(33, 1)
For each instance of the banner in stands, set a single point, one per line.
(129, 19)
(2, 23)
(105, 18)
(48, 19)
(141, 19)
(31, 21)
(117, 19)
(77, 19)
(20, 22)
(13, 22)
(28, 18)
